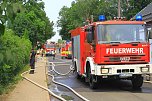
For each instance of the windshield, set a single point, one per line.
(49, 45)
(121, 33)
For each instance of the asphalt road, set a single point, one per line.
(107, 90)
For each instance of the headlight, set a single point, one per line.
(144, 69)
(70, 52)
(104, 70)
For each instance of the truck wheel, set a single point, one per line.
(92, 83)
(137, 82)
(78, 76)
(75, 70)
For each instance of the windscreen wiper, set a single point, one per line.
(134, 42)
(111, 42)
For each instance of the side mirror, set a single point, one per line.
(149, 34)
(90, 34)
(87, 30)
(89, 37)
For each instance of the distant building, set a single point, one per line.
(147, 15)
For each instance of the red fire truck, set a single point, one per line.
(63, 52)
(66, 50)
(115, 49)
(50, 49)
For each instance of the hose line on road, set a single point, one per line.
(80, 96)
(71, 69)
(53, 94)
(53, 65)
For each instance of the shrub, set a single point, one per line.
(14, 55)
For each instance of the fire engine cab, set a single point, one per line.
(114, 49)
(66, 50)
(50, 49)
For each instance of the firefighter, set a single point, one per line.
(53, 53)
(59, 49)
(42, 52)
(32, 61)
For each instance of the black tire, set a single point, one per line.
(137, 82)
(78, 76)
(92, 84)
(70, 56)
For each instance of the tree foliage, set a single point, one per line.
(9, 10)
(81, 10)
(14, 55)
(133, 7)
(22, 24)
(34, 20)
(32, 12)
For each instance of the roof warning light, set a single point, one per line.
(102, 18)
(139, 18)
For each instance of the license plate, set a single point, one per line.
(125, 75)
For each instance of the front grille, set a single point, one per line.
(124, 58)
(125, 71)
(114, 59)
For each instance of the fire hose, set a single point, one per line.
(53, 65)
(71, 69)
(56, 96)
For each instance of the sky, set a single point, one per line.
(52, 8)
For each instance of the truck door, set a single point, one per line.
(76, 50)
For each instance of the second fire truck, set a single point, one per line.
(114, 49)
(66, 50)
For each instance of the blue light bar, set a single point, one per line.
(67, 41)
(139, 18)
(102, 18)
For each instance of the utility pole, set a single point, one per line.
(119, 8)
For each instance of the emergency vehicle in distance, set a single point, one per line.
(50, 49)
(63, 52)
(66, 50)
(114, 49)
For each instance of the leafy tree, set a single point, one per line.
(44, 26)
(8, 11)
(20, 20)
(33, 10)
(81, 10)
(35, 21)
(134, 6)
